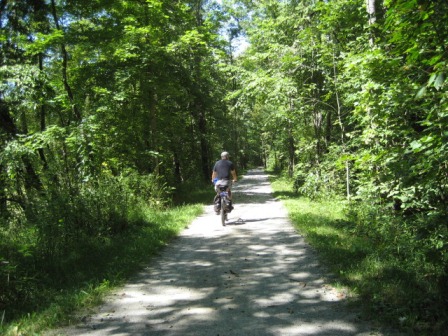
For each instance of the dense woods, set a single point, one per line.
(107, 107)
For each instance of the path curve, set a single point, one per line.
(256, 276)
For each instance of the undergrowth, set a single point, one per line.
(379, 259)
(89, 269)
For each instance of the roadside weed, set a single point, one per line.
(387, 277)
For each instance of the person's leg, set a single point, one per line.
(230, 199)
(217, 204)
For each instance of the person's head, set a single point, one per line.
(225, 155)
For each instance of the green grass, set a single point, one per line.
(387, 283)
(99, 268)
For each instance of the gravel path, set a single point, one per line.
(256, 276)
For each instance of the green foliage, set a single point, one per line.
(325, 181)
(194, 192)
(108, 106)
(395, 269)
(360, 113)
(56, 228)
(87, 270)
(331, 75)
(104, 107)
(414, 249)
(150, 189)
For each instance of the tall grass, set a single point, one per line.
(78, 249)
(383, 265)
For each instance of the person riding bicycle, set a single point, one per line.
(223, 170)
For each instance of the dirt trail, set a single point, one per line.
(256, 276)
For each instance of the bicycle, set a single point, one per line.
(223, 200)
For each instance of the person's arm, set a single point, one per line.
(213, 175)
(235, 178)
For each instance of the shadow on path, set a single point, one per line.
(256, 276)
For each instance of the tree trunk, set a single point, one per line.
(341, 125)
(42, 116)
(198, 105)
(7, 131)
(317, 123)
(291, 150)
(154, 129)
(371, 11)
(205, 161)
(68, 89)
(177, 171)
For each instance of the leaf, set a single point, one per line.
(45, 41)
(439, 81)
(432, 79)
(421, 92)
(435, 59)
(416, 146)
